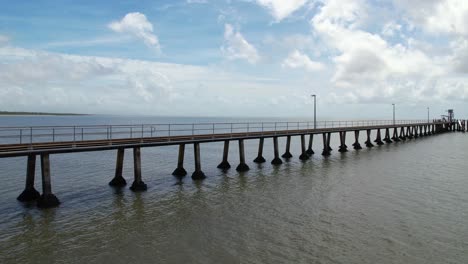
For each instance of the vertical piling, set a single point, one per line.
(356, 144)
(395, 134)
(343, 147)
(276, 160)
(387, 136)
(304, 155)
(224, 165)
(378, 139)
(326, 146)
(369, 141)
(287, 154)
(260, 158)
(138, 184)
(198, 173)
(242, 165)
(180, 171)
(47, 199)
(402, 133)
(118, 180)
(29, 193)
(309, 149)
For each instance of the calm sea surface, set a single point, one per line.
(405, 202)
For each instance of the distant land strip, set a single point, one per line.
(4, 113)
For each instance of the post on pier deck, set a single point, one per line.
(309, 149)
(180, 171)
(47, 199)
(356, 144)
(304, 155)
(387, 136)
(29, 193)
(369, 140)
(138, 184)
(326, 147)
(276, 160)
(198, 173)
(242, 165)
(378, 139)
(287, 154)
(260, 158)
(118, 180)
(224, 165)
(343, 147)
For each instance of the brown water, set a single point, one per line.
(405, 202)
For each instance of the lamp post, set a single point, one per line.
(393, 114)
(427, 114)
(315, 110)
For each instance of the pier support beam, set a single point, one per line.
(303, 155)
(356, 144)
(118, 180)
(29, 193)
(198, 173)
(387, 136)
(415, 131)
(395, 134)
(378, 139)
(47, 199)
(138, 184)
(402, 133)
(425, 130)
(343, 147)
(180, 171)
(369, 141)
(326, 146)
(276, 160)
(224, 165)
(242, 165)
(287, 154)
(409, 134)
(260, 158)
(309, 149)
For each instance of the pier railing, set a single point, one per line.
(39, 134)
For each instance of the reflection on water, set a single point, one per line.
(400, 203)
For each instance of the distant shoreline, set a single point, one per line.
(6, 113)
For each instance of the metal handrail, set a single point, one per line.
(40, 134)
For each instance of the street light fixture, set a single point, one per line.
(315, 110)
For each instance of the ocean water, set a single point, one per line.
(404, 202)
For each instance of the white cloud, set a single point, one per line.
(281, 9)
(297, 59)
(197, 1)
(237, 47)
(137, 25)
(4, 40)
(390, 28)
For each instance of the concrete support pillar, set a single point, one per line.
(180, 171)
(343, 147)
(309, 149)
(29, 193)
(138, 184)
(378, 139)
(395, 134)
(276, 160)
(409, 135)
(224, 165)
(356, 144)
(287, 153)
(421, 134)
(242, 165)
(303, 155)
(425, 130)
(402, 133)
(260, 158)
(118, 180)
(415, 131)
(326, 148)
(47, 199)
(198, 173)
(369, 141)
(387, 136)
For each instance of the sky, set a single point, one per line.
(259, 58)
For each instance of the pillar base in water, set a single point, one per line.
(369, 144)
(138, 186)
(326, 152)
(403, 138)
(259, 159)
(47, 201)
(379, 142)
(198, 175)
(179, 172)
(242, 167)
(118, 182)
(342, 149)
(310, 152)
(387, 140)
(357, 146)
(276, 161)
(304, 156)
(29, 194)
(224, 165)
(396, 139)
(287, 155)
